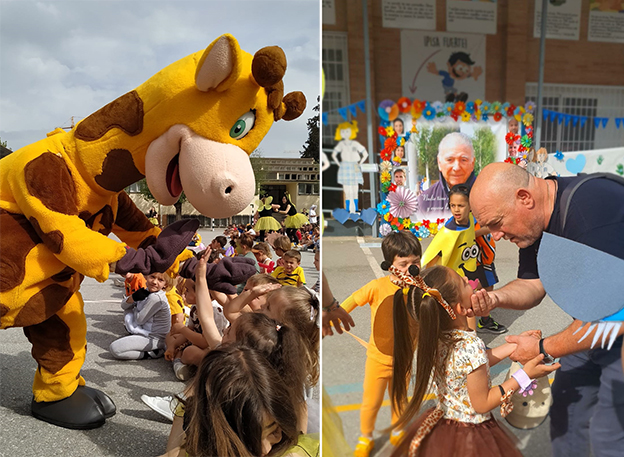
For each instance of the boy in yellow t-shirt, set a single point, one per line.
(291, 274)
(402, 250)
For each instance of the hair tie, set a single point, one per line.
(426, 294)
(278, 327)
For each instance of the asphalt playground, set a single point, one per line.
(351, 262)
(135, 430)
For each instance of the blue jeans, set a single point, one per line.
(588, 404)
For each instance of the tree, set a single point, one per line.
(144, 189)
(312, 147)
(257, 164)
(4, 144)
(484, 144)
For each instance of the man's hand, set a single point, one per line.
(338, 317)
(483, 302)
(528, 347)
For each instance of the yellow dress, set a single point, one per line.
(334, 443)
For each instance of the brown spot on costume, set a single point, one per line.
(51, 346)
(125, 113)
(118, 171)
(49, 180)
(17, 238)
(129, 217)
(43, 305)
(53, 240)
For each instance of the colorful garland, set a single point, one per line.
(472, 111)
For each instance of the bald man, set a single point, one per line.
(456, 164)
(588, 391)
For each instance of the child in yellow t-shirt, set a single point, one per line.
(290, 274)
(400, 249)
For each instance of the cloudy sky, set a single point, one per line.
(60, 59)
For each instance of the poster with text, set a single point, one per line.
(329, 12)
(564, 19)
(409, 14)
(440, 66)
(606, 21)
(471, 17)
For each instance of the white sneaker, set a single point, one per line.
(182, 372)
(162, 405)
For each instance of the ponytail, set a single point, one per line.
(404, 347)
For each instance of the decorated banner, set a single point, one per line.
(429, 147)
(409, 14)
(563, 19)
(598, 160)
(606, 21)
(344, 111)
(442, 66)
(582, 120)
(471, 17)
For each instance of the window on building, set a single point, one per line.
(590, 101)
(308, 189)
(336, 68)
(133, 188)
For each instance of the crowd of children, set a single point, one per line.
(251, 358)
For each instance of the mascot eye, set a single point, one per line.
(243, 125)
(465, 254)
(474, 251)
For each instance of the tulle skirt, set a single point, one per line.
(296, 221)
(450, 437)
(334, 443)
(267, 223)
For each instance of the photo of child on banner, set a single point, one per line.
(446, 144)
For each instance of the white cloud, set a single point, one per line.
(69, 58)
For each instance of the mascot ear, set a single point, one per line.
(294, 104)
(220, 65)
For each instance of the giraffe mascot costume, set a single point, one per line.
(191, 128)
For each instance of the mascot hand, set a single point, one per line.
(222, 276)
(160, 256)
(140, 294)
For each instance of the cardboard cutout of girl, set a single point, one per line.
(352, 156)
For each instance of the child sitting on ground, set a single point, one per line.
(401, 250)
(148, 318)
(457, 359)
(291, 274)
(262, 251)
(253, 296)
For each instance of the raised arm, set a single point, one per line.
(205, 311)
(519, 294)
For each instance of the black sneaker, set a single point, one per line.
(487, 324)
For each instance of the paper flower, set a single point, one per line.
(619, 169)
(470, 107)
(440, 221)
(416, 114)
(404, 104)
(510, 138)
(390, 143)
(383, 207)
(465, 116)
(460, 107)
(485, 117)
(529, 133)
(433, 228)
(485, 107)
(418, 106)
(522, 148)
(478, 102)
(505, 105)
(599, 160)
(407, 222)
(476, 115)
(527, 119)
(389, 131)
(423, 232)
(498, 116)
(559, 156)
(388, 216)
(510, 110)
(385, 229)
(454, 116)
(448, 108)
(392, 187)
(429, 113)
(437, 106)
(403, 202)
(385, 177)
(510, 160)
(396, 161)
(426, 223)
(381, 131)
(529, 107)
(526, 141)
(385, 166)
(519, 110)
(495, 107)
(386, 154)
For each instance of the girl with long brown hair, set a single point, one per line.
(455, 358)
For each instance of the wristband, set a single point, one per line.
(523, 380)
(332, 306)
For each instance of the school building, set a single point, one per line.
(583, 72)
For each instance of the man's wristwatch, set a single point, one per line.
(547, 357)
